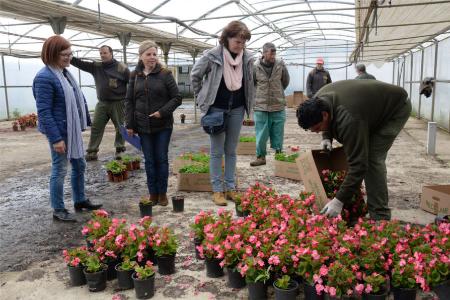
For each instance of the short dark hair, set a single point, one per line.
(233, 29)
(269, 47)
(309, 113)
(109, 48)
(361, 67)
(51, 49)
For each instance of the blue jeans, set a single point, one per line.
(269, 124)
(59, 172)
(225, 143)
(156, 147)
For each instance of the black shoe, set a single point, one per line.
(63, 215)
(119, 152)
(91, 156)
(88, 205)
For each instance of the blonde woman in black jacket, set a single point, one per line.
(152, 97)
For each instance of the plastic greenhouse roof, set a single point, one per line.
(286, 23)
(190, 26)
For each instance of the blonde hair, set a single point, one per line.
(145, 45)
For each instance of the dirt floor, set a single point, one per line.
(31, 266)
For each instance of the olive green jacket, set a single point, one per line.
(359, 108)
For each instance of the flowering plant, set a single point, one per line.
(97, 226)
(164, 242)
(404, 274)
(254, 270)
(202, 219)
(375, 284)
(215, 234)
(340, 280)
(94, 264)
(106, 246)
(127, 265)
(356, 208)
(145, 271)
(75, 257)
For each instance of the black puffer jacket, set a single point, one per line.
(150, 93)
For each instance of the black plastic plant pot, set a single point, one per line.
(178, 203)
(111, 271)
(442, 290)
(383, 296)
(257, 291)
(197, 242)
(144, 288)
(213, 268)
(235, 279)
(404, 294)
(96, 281)
(166, 264)
(286, 294)
(145, 209)
(310, 292)
(124, 279)
(76, 275)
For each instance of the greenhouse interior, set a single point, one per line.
(164, 111)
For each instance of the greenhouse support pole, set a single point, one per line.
(421, 77)
(393, 71)
(436, 45)
(194, 53)
(404, 70)
(411, 76)
(304, 61)
(4, 86)
(346, 60)
(124, 38)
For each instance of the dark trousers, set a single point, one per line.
(156, 147)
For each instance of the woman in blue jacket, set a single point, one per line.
(62, 116)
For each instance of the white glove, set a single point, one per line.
(333, 208)
(326, 145)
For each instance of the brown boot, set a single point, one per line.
(260, 160)
(163, 201)
(154, 199)
(219, 199)
(232, 195)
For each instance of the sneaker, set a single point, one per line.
(260, 160)
(87, 205)
(63, 215)
(219, 199)
(163, 201)
(90, 156)
(232, 195)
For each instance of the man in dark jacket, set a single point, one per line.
(111, 79)
(317, 78)
(362, 74)
(365, 116)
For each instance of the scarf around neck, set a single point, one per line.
(75, 112)
(232, 70)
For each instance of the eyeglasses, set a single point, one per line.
(66, 54)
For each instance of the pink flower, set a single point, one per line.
(332, 291)
(359, 288)
(274, 260)
(252, 239)
(244, 270)
(319, 289)
(323, 270)
(85, 230)
(315, 255)
(368, 289)
(402, 263)
(97, 225)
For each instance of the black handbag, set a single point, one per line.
(215, 122)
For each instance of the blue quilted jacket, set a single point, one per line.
(51, 106)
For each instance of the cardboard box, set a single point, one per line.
(199, 182)
(287, 170)
(299, 98)
(290, 101)
(436, 199)
(311, 164)
(246, 148)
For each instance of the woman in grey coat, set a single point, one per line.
(222, 80)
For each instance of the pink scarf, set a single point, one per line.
(232, 70)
